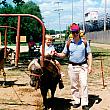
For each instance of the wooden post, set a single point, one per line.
(102, 72)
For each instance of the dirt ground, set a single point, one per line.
(19, 95)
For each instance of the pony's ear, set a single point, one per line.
(8, 50)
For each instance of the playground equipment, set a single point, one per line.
(18, 34)
(6, 37)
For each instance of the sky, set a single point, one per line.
(58, 14)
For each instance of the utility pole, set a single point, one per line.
(59, 10)
(105, 17)
(72, 11)
(83, 18)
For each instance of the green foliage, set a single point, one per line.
(18, 2)
(29, 26)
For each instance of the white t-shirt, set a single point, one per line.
(48, 49)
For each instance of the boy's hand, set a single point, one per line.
(55, 53)
(52, 53)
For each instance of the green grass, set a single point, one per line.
(98, 54)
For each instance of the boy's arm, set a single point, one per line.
(29, 66)
(41, 49)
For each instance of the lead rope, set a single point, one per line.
(17, 95)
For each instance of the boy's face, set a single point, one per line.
(48, 41)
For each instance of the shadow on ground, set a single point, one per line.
(20, 104)
(59, 104)
(65, 104)
(10, 83)
(94, 99)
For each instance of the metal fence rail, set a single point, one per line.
(99, 37)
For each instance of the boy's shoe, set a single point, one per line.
(61, 86)
(85, 107)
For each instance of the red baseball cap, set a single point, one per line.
(74, 27)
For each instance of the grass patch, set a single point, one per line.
(98, 54)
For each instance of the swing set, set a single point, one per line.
(18, 34)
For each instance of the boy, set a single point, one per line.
(49, 51)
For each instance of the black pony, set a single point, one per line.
(46, 77)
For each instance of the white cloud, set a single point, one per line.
(51, 17)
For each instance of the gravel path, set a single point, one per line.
(21, 96)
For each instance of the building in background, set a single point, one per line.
(91, 16)
(58, 36)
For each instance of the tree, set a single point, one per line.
(29, 26)
(7, 21)
(18, 2)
